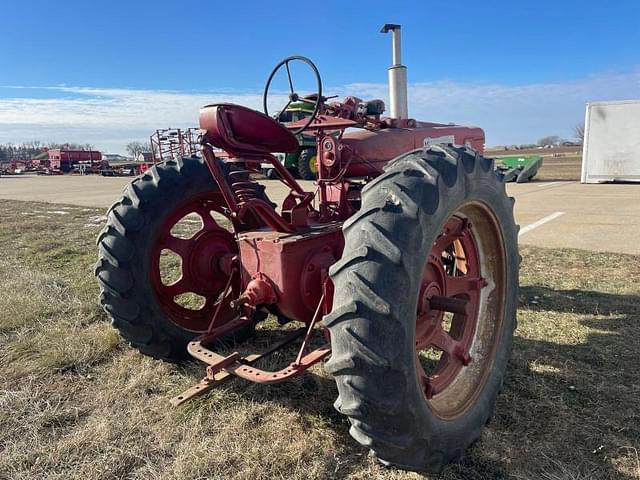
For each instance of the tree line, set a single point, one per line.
(136, 148)
(578, 133)
(28, 150)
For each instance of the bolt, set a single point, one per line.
(311, 267)
(466, 359)
(462, 355)
(477, 284)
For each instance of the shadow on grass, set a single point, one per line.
(579, 301)
(567, 408)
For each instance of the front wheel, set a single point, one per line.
(425, 307)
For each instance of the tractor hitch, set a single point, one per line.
(221, 368)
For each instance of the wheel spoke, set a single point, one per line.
(177, 288)
(289, 77)
(177, 245)
(442, 340)
(465, 284)
(208, 222)
(456, 352)
(453, 230)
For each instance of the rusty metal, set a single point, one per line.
(220, 377)
(259, 291)
(307, 337)
(257, 375)
(219, 367)
(169, 143)
(225, 294)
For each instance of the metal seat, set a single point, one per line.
(244, 132)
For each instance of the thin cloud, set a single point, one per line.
(111, 117)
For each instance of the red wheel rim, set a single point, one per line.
(459, 310)
(204, 259)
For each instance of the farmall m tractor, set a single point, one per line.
(405, 258)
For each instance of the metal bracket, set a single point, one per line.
(220, 368)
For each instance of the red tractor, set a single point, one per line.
(405, 257)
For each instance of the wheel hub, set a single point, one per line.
(206, 259)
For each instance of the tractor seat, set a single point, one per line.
(242, 131)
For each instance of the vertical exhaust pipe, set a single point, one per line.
(397, 75)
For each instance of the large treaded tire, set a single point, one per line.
(305, 158)
(124, 252)
(377, 282)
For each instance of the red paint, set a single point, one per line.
(283, 255)
(65, 160)
(244, 132)
(368, 151)
(293, 263)
(201, 273)
(446, 291)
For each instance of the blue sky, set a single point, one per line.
(110, 72)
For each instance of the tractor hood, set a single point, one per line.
(380, 146)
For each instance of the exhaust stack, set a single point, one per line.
(397, 76)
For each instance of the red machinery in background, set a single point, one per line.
(66, 160)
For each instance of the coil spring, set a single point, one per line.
(243, 187)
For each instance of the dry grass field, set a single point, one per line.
(77, 403)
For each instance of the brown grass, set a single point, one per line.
(77, 403)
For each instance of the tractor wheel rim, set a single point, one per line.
(201, 265)
(460, 310)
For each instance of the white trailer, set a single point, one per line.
(611, 149)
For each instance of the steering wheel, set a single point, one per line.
(293, 96)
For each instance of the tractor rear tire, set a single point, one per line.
(308, 164)
(378, 289)
(125, 246)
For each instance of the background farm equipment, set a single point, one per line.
(125, 169)
(169, 143)
(302, 162)
(67, 160)
(404, 258)
(519, 169)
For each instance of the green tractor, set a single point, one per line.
(519, 169)
(302, 163)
